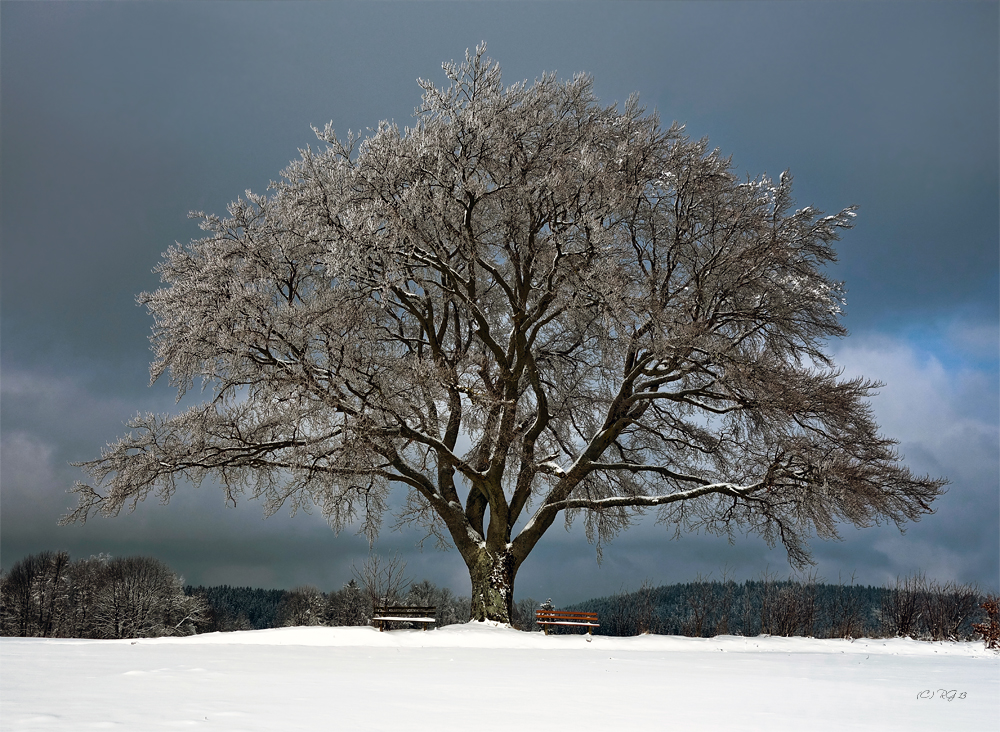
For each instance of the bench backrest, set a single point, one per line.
(570, 615)
(407, 611)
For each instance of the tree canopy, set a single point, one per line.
(527, 304)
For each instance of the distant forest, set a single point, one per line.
(913, 607)
(47, 595)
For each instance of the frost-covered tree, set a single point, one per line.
(139, 597)
(525, 306)
(449, 609)
(347, 606)
(304, 605)
(34, 595)
(126, 597)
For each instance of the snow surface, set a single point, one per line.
(480, 677)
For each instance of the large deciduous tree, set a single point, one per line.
(525, 305)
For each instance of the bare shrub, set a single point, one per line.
(990, 629)
(903, 607)
(947, 607)
(847, 611)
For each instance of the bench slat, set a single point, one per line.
(405, 610)
(578, 619)
(565, 612)
(568, 622)
(404, 614)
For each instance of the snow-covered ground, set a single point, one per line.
(477, 677)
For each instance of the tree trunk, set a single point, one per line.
(492, 573)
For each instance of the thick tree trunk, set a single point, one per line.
(492, 573)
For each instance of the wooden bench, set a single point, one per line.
(546, 618)
(399, 614)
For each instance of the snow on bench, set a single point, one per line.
(400, 614)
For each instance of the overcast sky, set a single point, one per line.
(119, 118)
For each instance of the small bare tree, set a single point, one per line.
(808, 607)
(382, 579)
(724, 602)
(702, 605)
(903, 607)
(783, 618)
(768, 600)
(846, 612)
(947, 606)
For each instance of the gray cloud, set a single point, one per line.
(119, 118)
(936, 413)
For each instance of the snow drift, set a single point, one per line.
(491, 678)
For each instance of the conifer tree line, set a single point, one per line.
(48, 595)
(231, 608)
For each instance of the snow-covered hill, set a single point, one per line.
(486, 678)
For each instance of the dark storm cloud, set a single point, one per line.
(117, 119)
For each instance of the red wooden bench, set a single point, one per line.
(545, 618)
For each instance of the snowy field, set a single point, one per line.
(477, 677)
